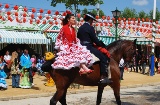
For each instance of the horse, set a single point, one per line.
(63, 78)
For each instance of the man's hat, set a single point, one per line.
(91, 15)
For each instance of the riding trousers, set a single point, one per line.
(103, 58)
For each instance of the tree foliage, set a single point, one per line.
(157, 14)
(131, 13)
(73, 4)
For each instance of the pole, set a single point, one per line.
(116, 24)
(153, 40)
(98, 9)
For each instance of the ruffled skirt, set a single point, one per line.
(3, 75)
(72, 56)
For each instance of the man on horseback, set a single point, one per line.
(87, 36)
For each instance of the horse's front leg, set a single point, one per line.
(62, 83)
(60, 96)
(99, 94)
(116, 89)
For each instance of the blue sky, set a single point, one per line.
(107, 7)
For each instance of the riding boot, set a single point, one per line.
(104, 77)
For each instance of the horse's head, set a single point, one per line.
(122, 48)
(49, 58)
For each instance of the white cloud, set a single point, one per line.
(140, 2)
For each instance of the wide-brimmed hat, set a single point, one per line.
(91, 15)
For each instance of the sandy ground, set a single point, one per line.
(148, 95)
(131, 79)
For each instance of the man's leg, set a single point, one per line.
(13, 81)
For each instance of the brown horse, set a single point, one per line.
(63, 78)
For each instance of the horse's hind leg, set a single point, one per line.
(116, 89)
(99, 94)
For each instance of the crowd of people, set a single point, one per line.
(139, 64)
(19, 65)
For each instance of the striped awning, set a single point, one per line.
(22, 37)
(53, 36)
(106, 39)
(140, 40)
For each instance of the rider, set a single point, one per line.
(87, 36)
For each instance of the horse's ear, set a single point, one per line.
(135, 41)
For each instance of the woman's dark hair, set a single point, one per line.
(65, 20)
(16, 62)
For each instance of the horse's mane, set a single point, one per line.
(117, 43)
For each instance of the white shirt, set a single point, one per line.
(121, 63)
(7, 57)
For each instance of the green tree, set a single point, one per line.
(101, 13)
(157, 14)
(129, 13)
(143, 14)
(84, 11)
(73, 4)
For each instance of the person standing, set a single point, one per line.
(26, 63)
(143, 61)
(86, 34)
(138, 61)
(121, 67)
(15, 71)
(7, 59)
(3, 84)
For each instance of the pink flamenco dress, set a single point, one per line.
(71, 52)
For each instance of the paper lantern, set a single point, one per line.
(44, 22)
(68, 12)
(47, 17)
(41, 11)
(0, 17)
(8, 13)
(49, 11)
(56, 13)
(55, 18)
(78, 15)
(6, 6)
(38, 21)
(17, 19)
(25, 9)
(0, 5)
(97, 17)
(16, 13)
(32, 16)
(143, 20)
(129, 19)
(15, 7)
(31, 21)
(147, 20)
(24, 14)
(119, 19)
(64, 14)
(56, 22)
(24, 20)
(111, 25)
(103, 17)
(40, 16)
(108, 18)
(33, 10)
